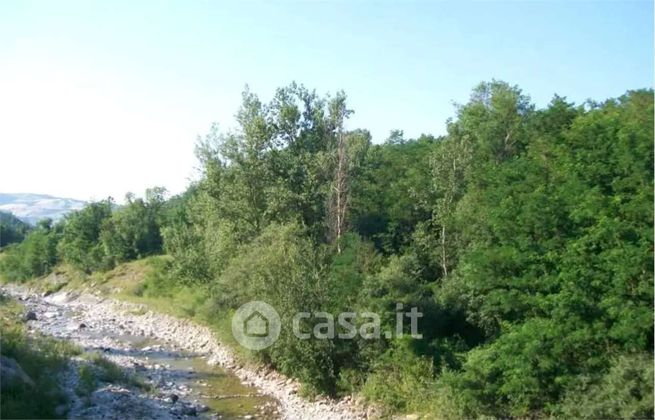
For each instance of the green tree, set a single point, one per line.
(12, 229)
(133, 231)
(80, 244)
(558, 266)
(33, 257)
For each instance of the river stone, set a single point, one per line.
(189, 410)
(97, 312)
(30, 316)
(59, 298)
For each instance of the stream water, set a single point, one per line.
(219, 390)
(181, 384)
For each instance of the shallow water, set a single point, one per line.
(221, 391)
(210, 385)
(171, 371)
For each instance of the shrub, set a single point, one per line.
(33, 257)
(401, 380)
(626, 391)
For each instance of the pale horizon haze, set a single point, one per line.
(101, 98)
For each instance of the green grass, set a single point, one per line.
(100, 369)
(110, 372)
(42, 359)
(148, 283)
(86, 380)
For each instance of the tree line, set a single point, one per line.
(524, 235)
(95, 238)
(12, 229)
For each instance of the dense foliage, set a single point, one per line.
(35, 256)
(94, 238)
(524, 235)
(12, 229)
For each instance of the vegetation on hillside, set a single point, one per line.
(524, 235)
(12, 229)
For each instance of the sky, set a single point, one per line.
(98, 98)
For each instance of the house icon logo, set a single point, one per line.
(256, 325)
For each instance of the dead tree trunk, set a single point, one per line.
(340, 188)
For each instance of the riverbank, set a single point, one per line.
(31, 366)
(87, 317)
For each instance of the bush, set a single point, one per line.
(401, 380)
(80, 244)
(626, 392)
(283, 268)
(158, 280)
(33, 257)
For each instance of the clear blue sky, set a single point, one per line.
(102, 97)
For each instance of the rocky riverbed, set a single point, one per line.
(187, 372)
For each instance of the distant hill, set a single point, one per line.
(31, 208)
